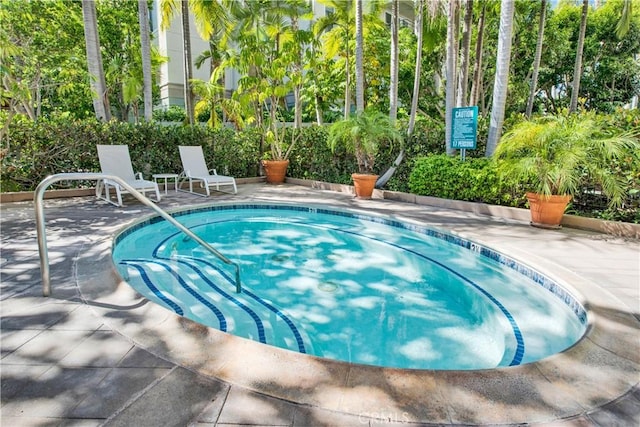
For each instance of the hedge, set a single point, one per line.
(37, 149)
(33, 150)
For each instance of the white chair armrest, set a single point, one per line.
(139, 175)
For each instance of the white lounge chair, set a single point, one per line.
(115, 160)
(195, 169)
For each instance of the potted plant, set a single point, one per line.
(276, 160)
(362, 135)
(556, 156)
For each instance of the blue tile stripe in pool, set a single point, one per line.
(276, 311)
(221, 319)
(248, 310)
(147, 281)
(254, 316)
(285, 318)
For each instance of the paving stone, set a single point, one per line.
(245, 407)
(115, 390)
(47, 348)
(176, 400)
(54, 393)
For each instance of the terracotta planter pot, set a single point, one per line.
(364, 184)
(276, 170)
(547, 211)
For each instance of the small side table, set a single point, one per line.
(166, 177)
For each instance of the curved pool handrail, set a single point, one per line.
(78, 176)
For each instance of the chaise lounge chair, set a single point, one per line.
(115, 160)
(195, 169)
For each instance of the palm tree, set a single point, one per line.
(418, 69)
(463, 76)
(477, 69)
(208, 15)
(393, 86)
(538, 55)
(622, 28)
(145, 45)
(188, 63)
(337, 27)
(210, 96)
(359, 59)
(169, 8)
(362, 134)
(295, 10)
(94, 61)
(577, 69)
(452, 43)
(501, 80)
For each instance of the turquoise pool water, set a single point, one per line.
(351, 286)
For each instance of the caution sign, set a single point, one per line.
(464, 126)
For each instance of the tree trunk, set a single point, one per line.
(501, 81)
(418, 69)
(145, 43)
(393, 87)
(188, 64)
(577, 70)
(94, 60)
(463, 78)
(452, 41)
(347, 84)
(297, 102)
(536, 61)
(359, 59)
(477, 69)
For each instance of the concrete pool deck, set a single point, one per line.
(95, 353)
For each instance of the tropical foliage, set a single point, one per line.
(296, 68)
(363, 134)
(559, 155)
(44, 63)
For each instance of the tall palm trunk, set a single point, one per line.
(418, 68)
(577, 70)
(450, 98)
(297, 102)
(477, 69)
(145, 44)
(501, 81)
(359, 59)
(393, 87)
(538, 56)
(188, 67)
(347, 83)
(463, 77)
(94, 61)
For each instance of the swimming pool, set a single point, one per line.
(351, 286)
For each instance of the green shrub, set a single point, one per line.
(474, 180)
(427, 138)
(171, 114)
(37, 149)
(312, 158)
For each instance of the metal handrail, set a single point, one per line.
(77, 176)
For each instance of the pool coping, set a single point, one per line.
(593, 372)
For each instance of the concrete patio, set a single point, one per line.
(95, 353)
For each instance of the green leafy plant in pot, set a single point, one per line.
(276, 160)
(555, 157)
(362, 135)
